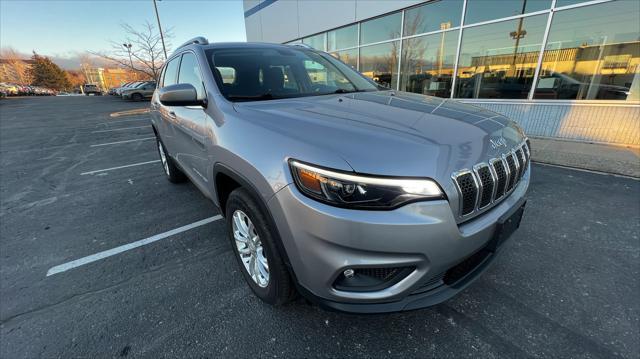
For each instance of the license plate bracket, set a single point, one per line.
(506, 225)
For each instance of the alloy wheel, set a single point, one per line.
(250, 248)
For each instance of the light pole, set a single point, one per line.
(128, 47)
(155, 6)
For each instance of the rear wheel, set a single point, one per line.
(254, 244)
(136, 97)
(173, 173)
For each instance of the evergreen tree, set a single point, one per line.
(47, 74)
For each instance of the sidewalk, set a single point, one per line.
(616, 159)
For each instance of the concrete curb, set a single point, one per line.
(591, 156)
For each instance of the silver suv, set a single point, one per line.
(361, 198)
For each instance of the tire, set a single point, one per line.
(173, 173)
(279, 288)
(136, 97)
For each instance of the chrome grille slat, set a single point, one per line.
(501, 177)
(489, 183)
(512, 170)
(468, 188)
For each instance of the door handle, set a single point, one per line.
(172, 114)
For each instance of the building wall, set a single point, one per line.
(577, 61)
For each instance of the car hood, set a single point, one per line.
(388, 132)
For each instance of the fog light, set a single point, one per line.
(348, 273)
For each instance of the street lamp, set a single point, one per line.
(155, 6)
(128, 47)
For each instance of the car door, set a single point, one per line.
(166, 127)
(191, 121)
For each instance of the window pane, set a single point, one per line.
(170, 74)
(349, 57)
(433, 16)
(484, 10)
(190, 73)
(427, 63)
(316, 41)
(380, 29)
(592, 53)
(380, 63)
(498, 60)
(343, 38)
(560, 3)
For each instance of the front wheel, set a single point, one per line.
(173, 173)
(254, 244)
(136, 97)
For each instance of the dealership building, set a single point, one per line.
(566, 69)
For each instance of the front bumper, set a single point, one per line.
(322, 241)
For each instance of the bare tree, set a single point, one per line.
(17, 66)
(144, 56)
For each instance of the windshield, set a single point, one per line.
(256, 74)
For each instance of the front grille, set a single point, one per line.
(469, 189)
(488, 183)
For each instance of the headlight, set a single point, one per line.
(344, 189)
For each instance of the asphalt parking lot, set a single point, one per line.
(76, 182)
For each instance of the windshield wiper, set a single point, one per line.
(264, 96)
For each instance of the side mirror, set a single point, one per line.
(180, 95)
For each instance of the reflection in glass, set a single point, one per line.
(560, 3)
(316, 41)
(498, 60)
(484, 10)
(380, 29)
(380, 63)
(592, 53)
(343, 38)
(428, 62)
(349, 57)
(433, 16)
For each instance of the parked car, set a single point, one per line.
(362, 198)
(10, 89)
(142, 91)
(127, 86)
(91, 89)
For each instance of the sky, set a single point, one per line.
(65, 29)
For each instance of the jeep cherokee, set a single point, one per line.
(361, 198)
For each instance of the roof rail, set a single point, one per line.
(196, 40)
(299, 44)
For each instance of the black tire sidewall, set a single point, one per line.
(174, 175)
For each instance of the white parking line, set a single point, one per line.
(120, 129)
(119, 167)
(118, 142)
(117, 250)
(131, 120)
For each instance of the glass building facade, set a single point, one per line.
(496, 49)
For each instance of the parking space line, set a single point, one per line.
(118, 142)
(117, 250)
(119, 167)
(130, 120)
(120, 129)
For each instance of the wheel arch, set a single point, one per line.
(222, 172)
